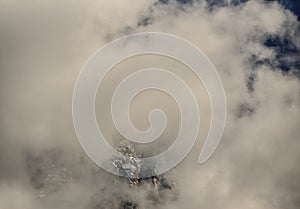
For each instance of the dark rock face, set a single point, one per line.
(50, 174)
(159, 190)
(128, 205)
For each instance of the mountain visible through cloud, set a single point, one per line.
(254, 46)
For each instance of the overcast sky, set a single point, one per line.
(255, 49)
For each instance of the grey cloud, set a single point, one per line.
(43, 47)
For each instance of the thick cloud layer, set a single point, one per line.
(45, 44)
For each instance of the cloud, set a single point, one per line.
(45, 44)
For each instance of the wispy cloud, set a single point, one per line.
(45, 44)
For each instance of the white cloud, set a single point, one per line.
(45, 45)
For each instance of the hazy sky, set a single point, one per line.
(255, 49)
